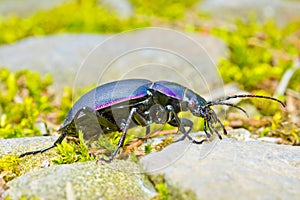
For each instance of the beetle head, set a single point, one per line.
(200, 108)
(195, 104)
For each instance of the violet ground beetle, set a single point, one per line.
(121, 105)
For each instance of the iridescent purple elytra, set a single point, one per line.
(112, 93)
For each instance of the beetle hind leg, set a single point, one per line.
(58, 141)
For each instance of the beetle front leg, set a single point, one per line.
(187, 123)
(205, 125)
(181, 123)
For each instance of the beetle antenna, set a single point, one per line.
(243, 96)
(230, 104)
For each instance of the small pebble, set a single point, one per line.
(45, 163)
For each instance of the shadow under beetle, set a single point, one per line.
(124, 104)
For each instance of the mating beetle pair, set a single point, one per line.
(121, 105)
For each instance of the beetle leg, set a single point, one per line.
(205, 124)
(188, 123)
(147, 130)
(181, 123)
(214, 129)
(58, 141)
(89, 112)
(184, 123)
(210, 129)
(132, 113)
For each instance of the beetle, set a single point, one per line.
(121, 105)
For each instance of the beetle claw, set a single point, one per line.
(200, 142)
(105, 160)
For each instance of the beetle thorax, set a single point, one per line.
(194, 103)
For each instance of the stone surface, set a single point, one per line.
(229, 169)
(122, 7)
(26, 7)
(220, 169)
(84, 59)
(21, 145)
(116, 180)
(59, 55)
(85, 180)
(282, 11)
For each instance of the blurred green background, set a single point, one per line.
(261, 49)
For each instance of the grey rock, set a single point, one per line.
(59, 55)
(116, 180)
(240, 134)
(85, 180)
(121, 7)
(282, 11)
(26, 7)
(229, 169)
(16, 146)
(153, 53)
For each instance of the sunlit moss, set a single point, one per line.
(169, 9)
(72, 152)
(72, 16)
(9, 167)
(258, 52)
(168, 191)
(24, 100)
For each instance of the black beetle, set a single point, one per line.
(120, 105)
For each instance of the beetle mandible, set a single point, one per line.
(124, 104)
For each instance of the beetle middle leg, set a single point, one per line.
(133, 114)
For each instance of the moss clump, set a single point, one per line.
(72, 16)
(167, 9)
(24, 100)
(168, 191)
(259, 52)
(72, 152)
(9, 167)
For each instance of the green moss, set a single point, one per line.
(165, 142)
(72, 152)
(24, 100)
(10, 167)
(168, 191)
(258, 52)
(92, 16)
(23, 198)
(168, 9)
(72, 16)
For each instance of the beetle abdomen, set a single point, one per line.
(120, 91)
(110, 94)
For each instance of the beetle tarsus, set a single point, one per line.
(201, 141)
(58, 141)
(105, 160)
